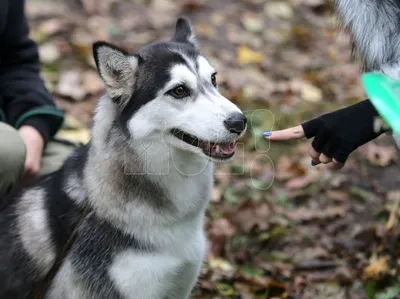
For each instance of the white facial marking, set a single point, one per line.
(188, 60)
(181, 74)
(205, 69)
(201, 114)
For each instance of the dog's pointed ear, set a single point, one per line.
(118, 69)
(184, 32)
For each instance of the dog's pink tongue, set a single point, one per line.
(228, 148)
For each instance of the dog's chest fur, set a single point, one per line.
(122, 249)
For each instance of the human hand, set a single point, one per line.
(34, 148)
(336, 134)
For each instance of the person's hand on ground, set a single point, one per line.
(34, 148)
(336, 134)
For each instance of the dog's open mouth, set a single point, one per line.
(219, 151)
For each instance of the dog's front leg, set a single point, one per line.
(186, 278)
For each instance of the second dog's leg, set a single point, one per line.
(187, 278)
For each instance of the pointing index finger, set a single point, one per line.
(286, 134)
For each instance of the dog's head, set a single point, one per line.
(169, 91)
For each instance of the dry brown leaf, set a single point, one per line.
(339, 196)
(222, 227)
(192, 5)
(312, 3)
(380, 155)
(377, 268)
(278, 10)
(69, 85)
(90, 6)
(394, 211)
(304, 214)
(308, 92)
(51, 26)
(220, 263)
(299, 182)
(92, 83)
(249, 215)
(287, 168)
(79, 135)
(252, 22)
(216, 194)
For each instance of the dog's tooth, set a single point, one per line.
(217, 149)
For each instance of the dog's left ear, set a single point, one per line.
(184, 32)
(118, 69)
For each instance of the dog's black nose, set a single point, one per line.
(236, 123)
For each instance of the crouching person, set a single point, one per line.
(28, 116)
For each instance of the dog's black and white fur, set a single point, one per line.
(375, 29)
(374, 26)
(141, 185)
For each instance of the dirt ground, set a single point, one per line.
(278, 227)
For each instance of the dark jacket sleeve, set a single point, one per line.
(27, 101)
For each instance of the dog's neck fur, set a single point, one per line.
(118, 185)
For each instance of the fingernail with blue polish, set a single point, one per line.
(267, 134)
(313, 163)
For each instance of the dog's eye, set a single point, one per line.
(179, 92)
(214, 79)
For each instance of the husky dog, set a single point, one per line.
(136, 195)
(375, 29)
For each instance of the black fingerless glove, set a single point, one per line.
(339, 133)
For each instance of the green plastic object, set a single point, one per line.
(384, 93)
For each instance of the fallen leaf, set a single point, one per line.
(377, 268)
(380, 155)
(49, 53)
(312, 3)
(222, 227)
(299, 182)
(92, 83)
(310, 254)
(339, 196)
(394, 211)
(304, 214)
(70, 85)
(278, 10)
(73, 123)
(192, 5)
(90, 6)
(51, 26)
(205, 30)
(247, 56)
(287, 168)
(248, 215)
(216, 194)
(79, 135)
(221, 264)
(252, 22)
(308, 92)
(324, 291)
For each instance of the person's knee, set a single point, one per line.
(12, 158)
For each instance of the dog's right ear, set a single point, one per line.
(184, 32)
(117, 68)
